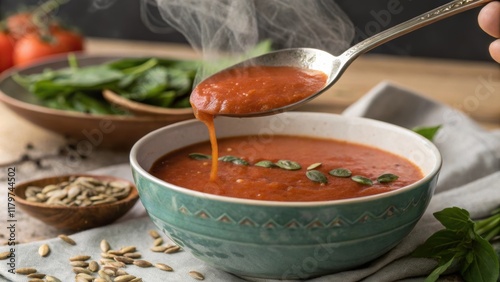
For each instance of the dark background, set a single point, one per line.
(458, 37)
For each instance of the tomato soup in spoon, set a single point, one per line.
(251, 89)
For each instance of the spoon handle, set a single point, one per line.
(439, 13)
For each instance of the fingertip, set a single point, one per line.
(495, 50)
(489, 18)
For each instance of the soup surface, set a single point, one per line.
(277, 184)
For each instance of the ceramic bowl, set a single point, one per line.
(74, 218)
(286, 240)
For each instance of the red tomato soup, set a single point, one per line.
(277, 184)
(251, 89)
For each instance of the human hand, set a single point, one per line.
(489, 21)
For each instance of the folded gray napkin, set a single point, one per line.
(469, 179)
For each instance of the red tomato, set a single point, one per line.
(72, 40)
(21, 24)
(6, 51)
(32, 47)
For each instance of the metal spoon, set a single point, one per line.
(334, 66)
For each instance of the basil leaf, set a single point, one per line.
(438, 243)
(484, 266)
(455, 219)
(439, 270)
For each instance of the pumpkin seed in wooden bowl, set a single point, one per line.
(76, 202)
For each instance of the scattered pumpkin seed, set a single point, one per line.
(196, 275)
(362, 180)
(50, 278)
(44, 250)
(104, 245)
(316, 176)
(79, 257)
(85, 276)
(36, 280)
(128, 249)
(123, 259)
(340, 172)
(104, 275)
(158, 242)
(154, 234)
(387, 177)
(132, 255)
(142, 263)
(93, 266)
(288, 165)
(163, 267)
(78, 270)
(26, 270)
(199, 156)
(36, 275)
(172, 249)
(158, 249)
(124, 278)
(79, 263)
(67, 239)
(5, 255)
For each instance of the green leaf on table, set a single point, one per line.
(427, 131)
(455, 219)
(484, 265)
(461, 244)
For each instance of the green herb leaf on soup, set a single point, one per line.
(340, 172)
(199, 156)
(387, 177)
(265, 163)
(316, 176)
(288, 165)
(362, 180)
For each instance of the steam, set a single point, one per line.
(234, 27)
(216, 27)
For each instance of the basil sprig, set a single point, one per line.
(464, 244)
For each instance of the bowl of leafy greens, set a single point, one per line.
(64, 94)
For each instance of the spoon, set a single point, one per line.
(334, 66)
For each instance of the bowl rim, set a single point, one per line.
(57, 58)
(163, 184)
(132, 196)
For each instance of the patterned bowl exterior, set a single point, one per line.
(282, 240)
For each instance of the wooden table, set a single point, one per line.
(473, 87)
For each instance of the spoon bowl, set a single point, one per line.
(334, 66)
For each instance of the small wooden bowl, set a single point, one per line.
(74, 218)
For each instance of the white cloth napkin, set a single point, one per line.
(469, 179)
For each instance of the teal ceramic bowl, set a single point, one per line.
(286, 240)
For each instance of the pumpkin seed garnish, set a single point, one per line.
(316, 176)
(265, 163)
(288, 165)
(199, 156)
(362, 180)
(313, 166)
(340, 172)
(234, 160)
(196, 275)
(387, 177)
